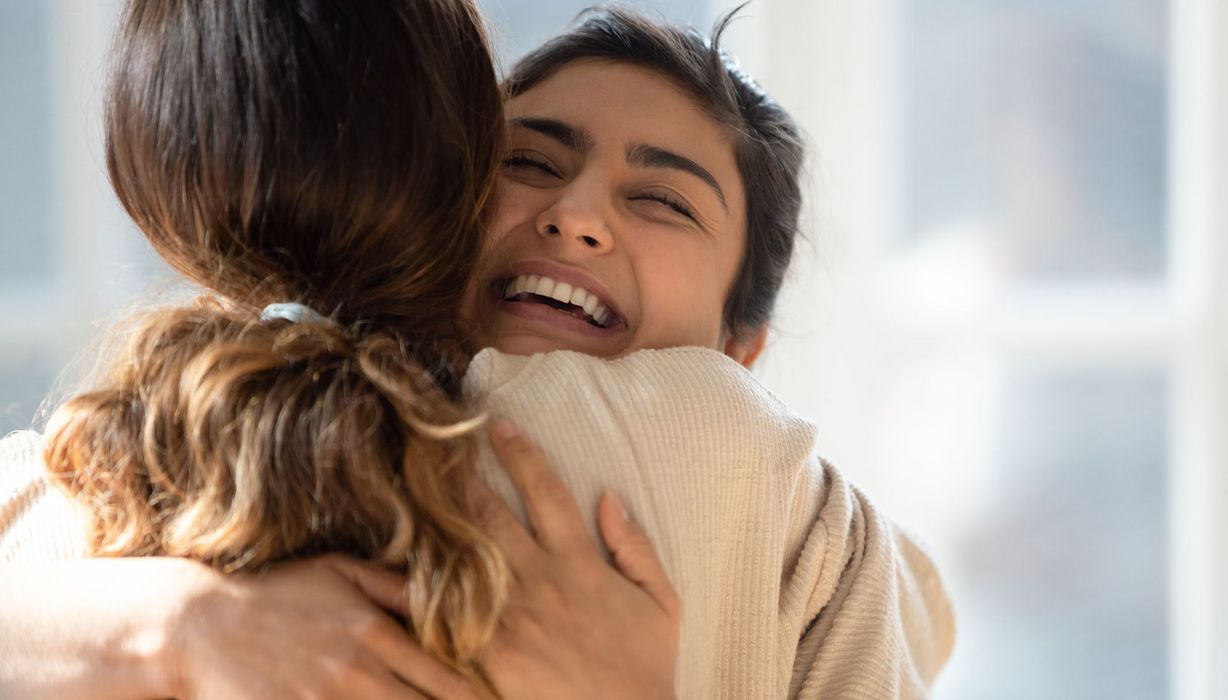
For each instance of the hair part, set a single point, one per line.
(768, 146)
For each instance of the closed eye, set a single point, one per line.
(520, 159)
(678, 206)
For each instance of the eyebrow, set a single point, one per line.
(644, 156)
(574, 138)
(639, 155)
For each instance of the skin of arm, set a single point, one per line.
(164, 627)
(60, 635)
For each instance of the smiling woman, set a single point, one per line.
(681, 196)
(695, 86)
(649, 172)
(638, 201)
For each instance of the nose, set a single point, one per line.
(575, 219)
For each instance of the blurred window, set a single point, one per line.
(1039, 126)
(25, 145)
(520, 25)
(1033, 196)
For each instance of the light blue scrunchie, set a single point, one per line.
(293, 312)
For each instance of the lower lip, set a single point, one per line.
(554, 318)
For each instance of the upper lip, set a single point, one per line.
(563, 273)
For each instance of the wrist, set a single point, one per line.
(159, 645)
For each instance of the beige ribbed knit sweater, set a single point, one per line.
(793, 584)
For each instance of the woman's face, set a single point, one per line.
(620, 219)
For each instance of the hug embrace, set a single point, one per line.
(463, 406)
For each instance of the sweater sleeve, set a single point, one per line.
(38, 523)
(876, 620)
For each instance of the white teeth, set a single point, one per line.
(562, 292)
(545, 287)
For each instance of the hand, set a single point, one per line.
(316, 628)
(574, 626)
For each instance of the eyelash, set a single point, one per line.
(521, 160)
(670, 202)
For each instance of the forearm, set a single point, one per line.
(89, 628)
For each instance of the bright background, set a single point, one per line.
(1010, 317)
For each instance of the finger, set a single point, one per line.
(370, 677)
(633, 553)
(411, 665)
(497, 655)
(384, 685)
(552, 509)
(394, 688)
(384, 588)
(523, 553)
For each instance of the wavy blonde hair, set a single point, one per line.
(338, 154)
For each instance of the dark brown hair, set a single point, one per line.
(337, 154)
(767, 143)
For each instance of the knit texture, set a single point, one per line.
(793, 584)
(38, 523)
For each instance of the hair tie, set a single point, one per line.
(294, 312)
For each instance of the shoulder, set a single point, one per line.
(20, 443)
(677, 405)
(671, 379)
(37, 521)
(857, 575)
(21, 459)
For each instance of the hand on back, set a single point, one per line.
(318, 628)
(575, 626)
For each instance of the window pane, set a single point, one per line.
(1035, 134)
(25, 144)
(1060, 582)
(26, 376)
(520, 25)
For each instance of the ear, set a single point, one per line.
(746, 351)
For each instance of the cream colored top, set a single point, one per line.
(793, 583)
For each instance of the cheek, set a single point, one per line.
(516, 206)
(683, 297)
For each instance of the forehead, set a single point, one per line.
(620, 104)
(616, 94)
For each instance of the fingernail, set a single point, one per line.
(504, 430)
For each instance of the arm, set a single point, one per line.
(158, 627)
(58, 637)
(876, 620)
(155, 627)
(62, 635)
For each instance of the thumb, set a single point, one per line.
(633, 553)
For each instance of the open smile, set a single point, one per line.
(567, 305)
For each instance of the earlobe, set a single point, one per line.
(746, 351)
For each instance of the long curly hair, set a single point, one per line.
(335, 154)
